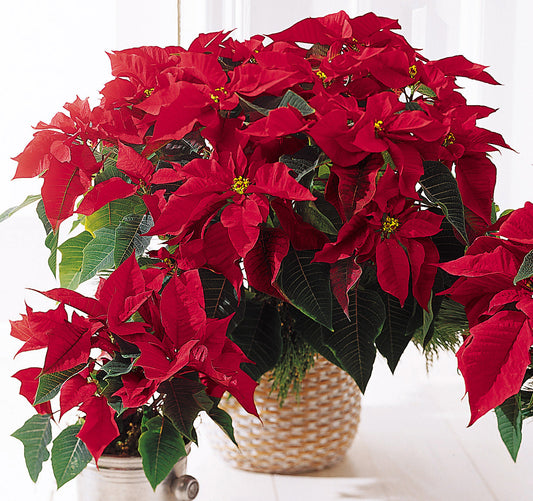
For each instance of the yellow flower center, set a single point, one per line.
(389, 225)
(219, 90)
(148, 92)
(320, 74)
(413, 71)
(240, 184)
(449, 139)
(378, 126)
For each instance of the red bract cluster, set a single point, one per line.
(496, 288)
(168, 336)
(325, 173)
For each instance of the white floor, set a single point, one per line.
(412, 443)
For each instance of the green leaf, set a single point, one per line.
(353, 341)
(509, 419)
(303, 163)
(112, 214)
(118, 366)
(98, 254)
(52, 241)
(426, 91)
(441, 188)
(292, 99)
(41, 213)
(184, 399)
(396, 333)
(224, 422)
(35, 434)
(161, 446)
(219, 295)
(526, 268)
(72, 259)
(310, 214)
(258, 335)
(69, 455)
(307, 285)
(50, 384)
(30, 199)
(129, 238)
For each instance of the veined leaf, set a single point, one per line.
(223, 420)
(118, 366)
(50, 384)
(98, 254)
(30, 199)
(52, 241)
(396, 334)
(310, 214)
(353, 341)
(112, 214)
(72, 259)
(258, 335)
(161, 447)
(184, 399)
(69, 455)
(220, 296)
(509, 419)
(307, 285)
(129, 236)
(35, 434)
(526, 268)
(52, 238)
(290, 98)
(441, 188)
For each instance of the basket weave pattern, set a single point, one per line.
(298, 437)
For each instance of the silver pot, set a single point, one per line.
(123, 479)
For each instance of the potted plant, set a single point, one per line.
(290, 197)
(495, 286)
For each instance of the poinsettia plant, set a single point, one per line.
(495, 286)
(246, 205)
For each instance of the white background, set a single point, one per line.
(53, 50)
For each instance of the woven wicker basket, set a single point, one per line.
(298, 437)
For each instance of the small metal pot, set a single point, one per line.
(123, 479)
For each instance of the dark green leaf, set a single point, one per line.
(413, 106)
(98, 254)
(161, 446)
(118, 366)
(223, 420)
(526, 268)
(353, 341)
(441, 188)
(258, 335)
(307, 285)
(310, 214)
(72, 259)
(220, 296)
(50, 384)
(292, 99)
(129, 236)
(184, 399)
(510, 424)
(69, 455)
(35, 434)
(30, 199)
(396, 333)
